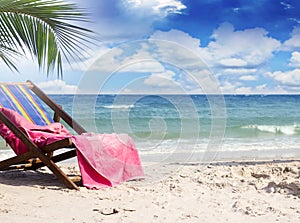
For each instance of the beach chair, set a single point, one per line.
(25, 98)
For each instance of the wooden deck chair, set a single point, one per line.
(25, 98)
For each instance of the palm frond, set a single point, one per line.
(7, 55)
(43, 27)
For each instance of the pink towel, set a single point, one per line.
(107, 159)
(104, 159)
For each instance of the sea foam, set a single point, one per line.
(286, 130)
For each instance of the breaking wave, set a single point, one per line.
(285, 129)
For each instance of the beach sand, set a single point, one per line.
(253, 191)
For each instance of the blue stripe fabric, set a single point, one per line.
(24, 101)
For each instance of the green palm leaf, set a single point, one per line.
(43, 27)
(7, 55)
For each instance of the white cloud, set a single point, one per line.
(261, 89)
(118, 21)
(57, 87)
(164, 80)
(294, 42)
(295, 60)
(243, 90)
(144, 66)
(169, 82)
(166, 7)
(238, 71)
(291, 77)
(286, 5)
(248, 78)
(235, 55)
(142, 60)
(252, 47)
(239, 88)
(179, 37)
(230, 87)
(157, 83)
(91, 56)
(233, 50)
(103, 61)
(124, 58)
(179, 49)
(158, 7)
(233, 62)
(230, 52)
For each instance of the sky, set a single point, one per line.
(182, 46)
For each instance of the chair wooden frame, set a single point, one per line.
(38, 157)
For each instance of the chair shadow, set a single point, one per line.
(31, 178)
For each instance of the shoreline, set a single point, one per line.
(223, 191)
(206, 156)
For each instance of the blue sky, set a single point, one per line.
(239, 47)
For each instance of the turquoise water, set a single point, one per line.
(246, 116)
(189, 123)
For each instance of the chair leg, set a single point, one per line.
(15, 160)
(58, 172)
(62, 176)
(6, 164)
(56, 158)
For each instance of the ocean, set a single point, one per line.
(193, 127)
